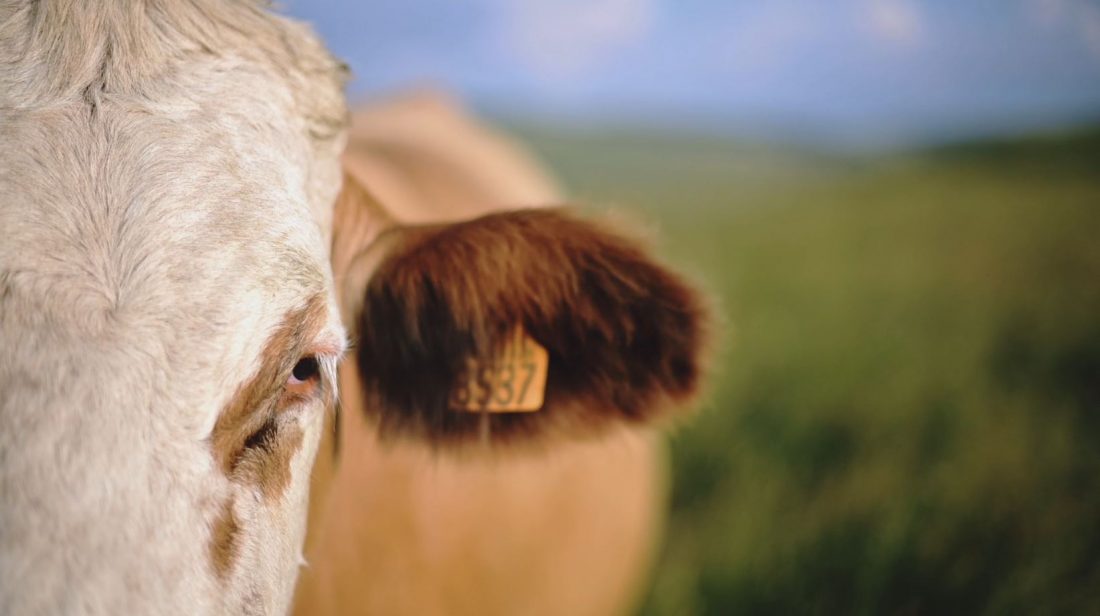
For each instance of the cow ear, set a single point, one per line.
(623, 336)
(357, 223)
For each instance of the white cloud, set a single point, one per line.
(1081, 16)
(562, 39)
(899, 22)
(1090, 27)
(1048, 12)
(768, 34)
(759, 38)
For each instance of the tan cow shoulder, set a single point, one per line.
(404, 530)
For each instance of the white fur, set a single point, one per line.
(167, 173)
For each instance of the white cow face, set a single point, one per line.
(167, 322)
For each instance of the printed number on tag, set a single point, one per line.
(513, 381)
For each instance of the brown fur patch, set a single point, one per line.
(624, 334)
(250, 442)
(267, 465)
(223, 540)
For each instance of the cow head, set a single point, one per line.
(169, 321)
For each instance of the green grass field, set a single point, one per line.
(905, 415)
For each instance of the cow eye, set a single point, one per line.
(305, 378)
(306, 369)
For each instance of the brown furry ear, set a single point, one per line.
(624, 335)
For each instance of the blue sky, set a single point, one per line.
(849, 71)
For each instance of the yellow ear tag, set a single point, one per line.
(514, 381)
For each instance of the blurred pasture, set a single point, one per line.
(905, 416)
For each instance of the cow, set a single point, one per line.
(395, 528)
(174, 302)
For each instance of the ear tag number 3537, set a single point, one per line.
(514, 381)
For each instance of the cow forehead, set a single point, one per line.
(205, 192)
(199, 232)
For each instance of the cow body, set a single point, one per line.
(397, 528)
(404, 530)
